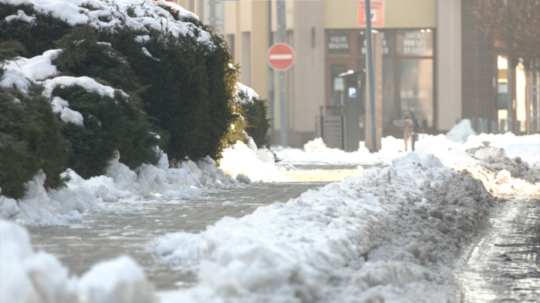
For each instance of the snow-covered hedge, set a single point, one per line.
(30, 140)
(123, 75)
(179, 68)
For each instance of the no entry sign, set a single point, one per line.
(280, 56)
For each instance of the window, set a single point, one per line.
(387, 42)
(388, 89)
(415, 90)
(414, 42)
(338, 43)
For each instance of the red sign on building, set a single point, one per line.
(377, 13)
(280, 56)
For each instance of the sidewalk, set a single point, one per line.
(106, 236)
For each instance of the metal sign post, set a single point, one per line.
(370, 74)
(281, 23)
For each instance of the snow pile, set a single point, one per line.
(318, 146)
(147, 184)
(478, 151)
(258, 165)
(28, 276)
(316, 152)
(391, 234)
(461, 131)
(139, 15)
(525, 147)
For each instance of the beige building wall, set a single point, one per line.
(248, 22)
(449, 62)
(309, 67)
(398, 14)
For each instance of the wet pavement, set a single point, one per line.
(504, 263)
(105, 236)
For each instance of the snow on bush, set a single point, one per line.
(391, 234)
(29, 276)
(37, 68)
(133, 14)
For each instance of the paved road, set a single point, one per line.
(504, 264)
(106, 236)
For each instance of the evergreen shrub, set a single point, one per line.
(258, 124)
(109, 125)
(30, 140)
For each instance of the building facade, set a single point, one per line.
(435, 62)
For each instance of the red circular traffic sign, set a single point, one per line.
(280, 56)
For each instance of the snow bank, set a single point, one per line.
(258, 165)
(141, 15)
(391, 234)
(147, 184)
(29, 276)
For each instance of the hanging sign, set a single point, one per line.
(377, 13)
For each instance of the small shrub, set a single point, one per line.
(258, 124)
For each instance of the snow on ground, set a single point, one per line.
(257, 164)
(316, 152)
(142, 15)
(147, 184)
(391, 235)
(29, 276)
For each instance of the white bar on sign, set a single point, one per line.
(281, 57)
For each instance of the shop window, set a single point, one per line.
(415, 90)
(388, 89)
(414, 42)
(338, 43)
(387, 42)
